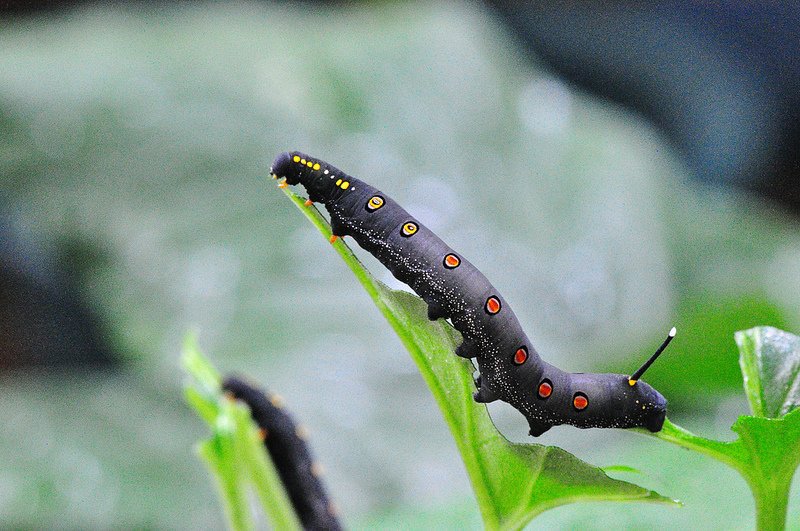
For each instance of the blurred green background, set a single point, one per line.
(135, 144)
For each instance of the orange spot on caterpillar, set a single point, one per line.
(317, 470)
(262, 434)
(545, 389)
(333, 509)
(451, 261)
(283, 184)
(277, 401)
(521, 355)
(333, 238)
(308, 202)
(492, 305)
(301, 431)
(579, 401)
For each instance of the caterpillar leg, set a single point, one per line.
(337, 227)
(436, 311)
(483, 395)
(466, 350)
(538, 427)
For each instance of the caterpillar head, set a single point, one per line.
(285, 165)
(649, 407)
(609, 400)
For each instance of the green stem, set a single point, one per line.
(729, 453)
(231, 489)
(772, 500)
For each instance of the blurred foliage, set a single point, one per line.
(144, 136)
(235, 453)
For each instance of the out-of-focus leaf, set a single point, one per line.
(770, 362)
(235, 454)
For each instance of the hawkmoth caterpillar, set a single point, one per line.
(510, 368)
(286, 444)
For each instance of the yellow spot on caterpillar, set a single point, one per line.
(317, 470)
(296, 158)
(632, 382)
(309, 164)
(345, 185)
(308, 202)
(339, 182)
(301, 431)
(409, 229)
(274, 175)
(283, 184)
(276, 400)
(375, 202)
(316, 166)
(302, 161)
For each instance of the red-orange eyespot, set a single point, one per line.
(492, 305)
(545, 389)
(579, 401)
(521, 355)
(451, 261)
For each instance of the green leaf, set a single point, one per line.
(770, 362)
(234, 454)
(512, 482)
(767, 452)
(219, 453)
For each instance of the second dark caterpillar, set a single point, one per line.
(510, 368)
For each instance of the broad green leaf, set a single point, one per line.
(512, 482)
(770, 361)
(767, 452)
(235, 454)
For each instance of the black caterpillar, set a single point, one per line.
(510, 368)
(285, 442)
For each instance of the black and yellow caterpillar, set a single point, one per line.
(510, 368)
